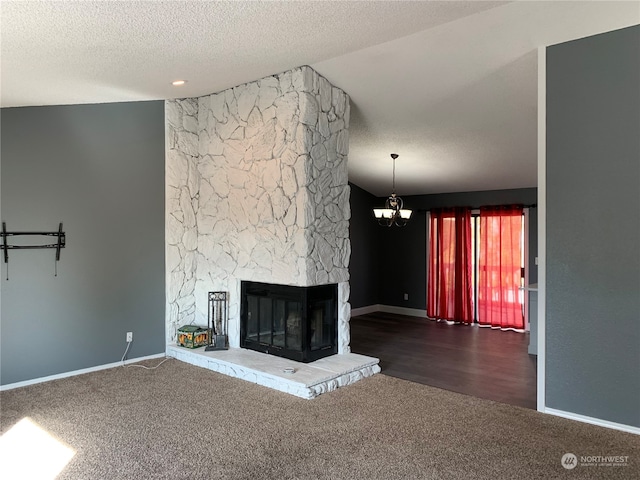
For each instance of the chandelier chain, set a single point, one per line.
(393, 185)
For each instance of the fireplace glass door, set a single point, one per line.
(274, 321)
(321, 325)
(293, 322)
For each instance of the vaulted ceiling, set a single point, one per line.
(451, 86)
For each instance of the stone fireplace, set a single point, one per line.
(257, 190)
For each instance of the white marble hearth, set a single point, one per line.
(308, 380)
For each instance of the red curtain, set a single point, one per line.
(499, 300)
(449, 295)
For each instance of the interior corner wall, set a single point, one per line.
(99, 169)
(593, 227)
(365, 254)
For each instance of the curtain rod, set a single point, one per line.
(531, 205)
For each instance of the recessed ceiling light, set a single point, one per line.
(177, 83)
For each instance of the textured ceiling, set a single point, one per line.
(64, 52)
(458, 101)
(450, 86)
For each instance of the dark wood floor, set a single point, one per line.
(475, 361)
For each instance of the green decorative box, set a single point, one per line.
(192, 336)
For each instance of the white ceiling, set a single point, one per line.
(450, 86)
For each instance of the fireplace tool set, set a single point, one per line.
(218, 321)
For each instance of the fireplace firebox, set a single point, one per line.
(299, 323)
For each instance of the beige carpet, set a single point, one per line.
(183, 422)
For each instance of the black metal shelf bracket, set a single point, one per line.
(60, 243)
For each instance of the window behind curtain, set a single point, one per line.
(500, 267)
(449, 292)
(476, 266)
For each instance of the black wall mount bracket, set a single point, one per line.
(60, 243)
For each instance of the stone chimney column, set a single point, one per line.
(257, 189)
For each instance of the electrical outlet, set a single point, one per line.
(129, 337)
(406, 296)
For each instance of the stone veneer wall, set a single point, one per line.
(257, 189)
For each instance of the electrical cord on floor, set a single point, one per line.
(124, 355)
(148, 368)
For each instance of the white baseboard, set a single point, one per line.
(11, 386)
(592, 421)
(365, 310)
(412, 312)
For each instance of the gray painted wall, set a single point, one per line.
(99, 169)
(593, 227)
(365, 256)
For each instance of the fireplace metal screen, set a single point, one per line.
(299, 323)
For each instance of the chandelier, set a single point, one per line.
(392, 213)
